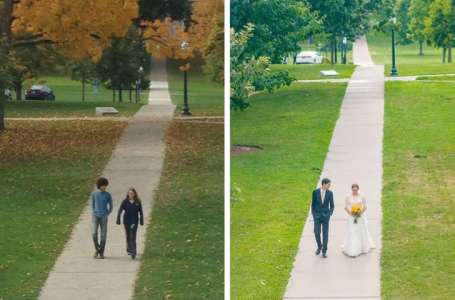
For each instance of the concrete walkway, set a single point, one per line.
(136, 162)
(354, 156)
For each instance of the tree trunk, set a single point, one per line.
(420, 48)
(7, 18)
(120, 95)
(131, 94)
(113, 95)
(2, 109)
(336, 51)
(83, 88)
(18, 88)
(5, 27)
(444, 50)
(449, 57)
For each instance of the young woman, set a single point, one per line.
(133, 215)
(358, 240)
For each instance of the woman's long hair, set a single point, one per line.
(136, 198)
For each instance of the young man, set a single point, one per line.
(101, 208)
(322, 207)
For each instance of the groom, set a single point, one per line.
(322, 208)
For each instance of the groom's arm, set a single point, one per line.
(332, 205)
(313, 203)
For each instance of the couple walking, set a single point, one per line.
(131, 208)
(357, 240)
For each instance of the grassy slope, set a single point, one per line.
(68, 101)
(47, 171)
(205, 97)
(294, 126)
(306, 72)
(408, 60)
(184, 255)
(419, 184)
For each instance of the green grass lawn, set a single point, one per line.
(438, 78)
(273, 186)
(184, 254)
(408, 60)
(307, 72)
(68, 101)
(48, 170)
(205, 97)
(418, 261)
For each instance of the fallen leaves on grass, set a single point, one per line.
(24, 139)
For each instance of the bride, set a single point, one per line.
(358, 240)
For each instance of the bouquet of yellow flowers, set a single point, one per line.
(356, 211)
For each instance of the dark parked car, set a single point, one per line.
(40, 92)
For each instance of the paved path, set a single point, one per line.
(355, 155)
(136, 161)
(360, 53)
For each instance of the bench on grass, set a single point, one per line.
(105, 111)
(329, 73)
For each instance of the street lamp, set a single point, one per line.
(186, 109)
(345, 45)
(393, 71)
(138, 84)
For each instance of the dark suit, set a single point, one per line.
(321, 210)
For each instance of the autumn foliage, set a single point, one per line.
(79, 28)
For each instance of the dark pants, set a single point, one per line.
(131, 230)
(324, 223)
(100, 222)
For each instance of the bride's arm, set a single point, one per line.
(364, 204)
(346, 205)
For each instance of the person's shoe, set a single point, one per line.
(318, 251)
(96, 254)
(133, 255)
(102, 256)
(324, 255)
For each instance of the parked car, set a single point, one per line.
(308, 57)
(40, 92)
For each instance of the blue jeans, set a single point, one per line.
(102, 223)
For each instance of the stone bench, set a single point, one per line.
(105, 111)
(329, 73)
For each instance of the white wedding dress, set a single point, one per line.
(358, 240)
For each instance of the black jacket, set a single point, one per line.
(133, 213)
(322, 208)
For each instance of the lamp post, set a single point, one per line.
(138, 84)
(185, 68)
(393, 71)
(345, 45)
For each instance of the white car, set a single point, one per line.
(308, 57)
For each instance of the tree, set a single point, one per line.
(418, 12)
(439, 26)
(120, 63)
(5, 79)
(85, 71)
(206, 34)
(88, 24)
(250, 74)
(177, 10)
(280, 26)
(342, 18)
(214, 52)
(28, 61)
(402, 15)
